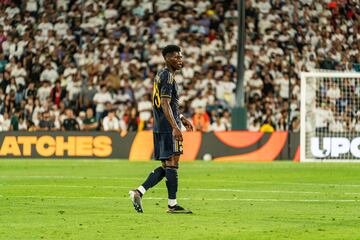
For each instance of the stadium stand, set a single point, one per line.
(99, 57)
(286, 37)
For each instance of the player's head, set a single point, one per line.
(173, 57)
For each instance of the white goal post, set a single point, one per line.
(330, 117)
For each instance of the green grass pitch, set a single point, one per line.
(88, 199)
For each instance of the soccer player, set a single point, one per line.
(167, 135)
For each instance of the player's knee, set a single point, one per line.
(172, 163)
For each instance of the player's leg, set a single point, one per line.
(154, 178)
(172, 166)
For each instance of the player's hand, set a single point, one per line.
(187, 124)
(177, 134)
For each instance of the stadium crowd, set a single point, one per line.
(89, 65)
(336, 106)
(286, 37)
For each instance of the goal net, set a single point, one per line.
(330, 116)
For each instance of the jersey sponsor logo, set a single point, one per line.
(47, 146)
(335, 147)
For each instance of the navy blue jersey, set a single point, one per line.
(165, 86)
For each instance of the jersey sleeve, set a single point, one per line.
(166, 84)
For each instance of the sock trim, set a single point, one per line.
(141, 189)
(172, 202)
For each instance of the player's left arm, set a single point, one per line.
(187, 124)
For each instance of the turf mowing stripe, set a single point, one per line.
(193, 199)
(186, 180)
(184, 189)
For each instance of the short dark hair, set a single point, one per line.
(170, 49)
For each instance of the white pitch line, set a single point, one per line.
(183, 189)
(184, 180)
(194, 199)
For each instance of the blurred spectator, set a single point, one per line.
(1, 122)
(132, 120)
(46, 124)
(14, 121)
(80, 119)
(5, 123)
(30, 91)
(90, 123)
(22, 124)
(324, 116)
(145, 111)
(44, 92)
(70, 123)
(226, 119)
(49, 74)
(217, 125)
(57, 93)
(100, 99)
(87, 94)
(254, 125)
(110, 122)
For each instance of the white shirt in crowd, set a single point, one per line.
(337, 126)
(100, 99)
(19, 74)
(73, 88)
(217, 126)
(110, 13)
(61, 28)
(43, 93)
(45, 27)
(1, 122)
(15, 50)
(333, 93)
(357, 126)
(22, 126)
(145, 108)
(10, 87)
(256, 85)
(284, 86)
(31, 6)
(199, 102)
(225, 91)
(111, 124)
(323, 117)
(4, 124)
(50, 75)
(12, 11)
(69, 73)
(254, 127)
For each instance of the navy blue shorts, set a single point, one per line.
(166, 146)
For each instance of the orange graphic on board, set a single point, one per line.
(266, 153)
